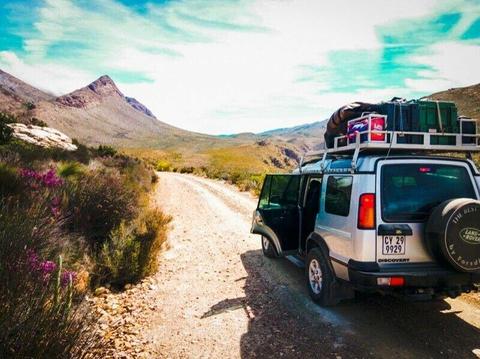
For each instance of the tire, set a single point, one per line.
(267, 248)
(452, 234)
(320, 279)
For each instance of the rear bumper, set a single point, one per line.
(415, 277)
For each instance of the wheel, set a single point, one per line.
(320, 279)
(267, 248)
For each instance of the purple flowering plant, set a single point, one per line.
(48, 181)
(36, 179)
(44, 269)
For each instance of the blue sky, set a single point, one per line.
(244, 65)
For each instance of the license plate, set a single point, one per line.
(393, 245)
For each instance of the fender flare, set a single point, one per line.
(314, 240)
(259, 227)
(272, 237)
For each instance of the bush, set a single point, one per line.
(131, 251)
(6, 133)
(29, 106)
(99, 201)
(7, 118)
(10, 183)
(36, 122)
(39, 312)
(70, 169)
(187, 169)
(163, 165)
(106, 151)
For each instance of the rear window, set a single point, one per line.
(411, 191)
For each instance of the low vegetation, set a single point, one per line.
(69, 221)
(244, 166)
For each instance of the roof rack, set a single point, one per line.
(351, 145)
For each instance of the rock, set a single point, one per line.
(42, 136)
(101, 291)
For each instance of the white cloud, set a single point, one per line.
(454, 65)
(233, 70)
(51, 77)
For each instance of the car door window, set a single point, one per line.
(279, 191)
(265, 195)
(337, 199)
(284, 191)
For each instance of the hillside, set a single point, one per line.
(16, 95)
(466, 98)
(100, 113)
(307, 136)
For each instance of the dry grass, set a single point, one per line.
(243, 165)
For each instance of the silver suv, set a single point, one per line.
(394, 222)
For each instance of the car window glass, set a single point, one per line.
(284, 191)
(264, 196)
(411, 191)
(313, 191)
(338, 194)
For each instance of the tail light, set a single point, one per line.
(391, 281)
(366, 211)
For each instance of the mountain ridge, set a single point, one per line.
(100, 113)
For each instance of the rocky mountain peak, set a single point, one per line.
(100, 90)
(104, 86)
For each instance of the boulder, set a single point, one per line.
(42, 136)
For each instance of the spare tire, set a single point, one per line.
(453, 234)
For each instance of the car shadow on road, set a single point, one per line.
(283, 322)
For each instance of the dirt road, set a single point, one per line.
(218, 297)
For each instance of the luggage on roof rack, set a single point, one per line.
(337, 124)
(430, 143)
(402, 116)
(438, 117)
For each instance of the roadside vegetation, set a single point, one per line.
(69, 222)
(244, 166)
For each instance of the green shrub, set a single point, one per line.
(29, 106)
(36, 122)
(187, 169)
(163, 165)
(70, 169)
(6, 133)
(7, 118)
(10, 183)
(106, 151)
(99, 201)
(83, 154)
(131, 251)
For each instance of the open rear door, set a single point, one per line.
(277, 214)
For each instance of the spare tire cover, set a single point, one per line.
(453, 234)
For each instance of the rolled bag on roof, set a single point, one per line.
(337, 124)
